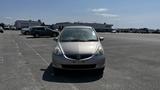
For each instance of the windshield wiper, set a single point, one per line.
(74, 40)
(78, 40)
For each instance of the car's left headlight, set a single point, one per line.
(99, 51)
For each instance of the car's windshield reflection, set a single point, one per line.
(78, 35)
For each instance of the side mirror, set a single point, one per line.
(101, 38)
(55, 39)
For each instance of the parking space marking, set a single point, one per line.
(37, 53)
(16, 45)
(18, 49)
(21, 63)
(44, 60)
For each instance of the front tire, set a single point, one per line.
(1, 31)
(36, 35)
(27, 33)
(56, 71)
(100, 71)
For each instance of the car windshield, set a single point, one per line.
(78, 35)
(25, 29)
(38, 28)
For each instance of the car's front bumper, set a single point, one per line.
(96, 62)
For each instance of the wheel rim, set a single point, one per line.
(36, 35)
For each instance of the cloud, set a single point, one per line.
(103, 12)
(100, 10)
(9, 18)
(107, 15)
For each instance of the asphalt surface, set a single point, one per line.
(133, 63)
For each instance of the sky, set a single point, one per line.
(120, 13)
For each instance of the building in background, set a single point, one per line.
(97, 26)
(19, 24)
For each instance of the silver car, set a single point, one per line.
(25, 31)
(78, 48)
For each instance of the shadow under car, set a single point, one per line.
(68, 76)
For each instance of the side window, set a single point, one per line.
(42, 28)
(47, 29)
(39, 29)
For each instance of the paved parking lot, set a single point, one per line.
(133, 63)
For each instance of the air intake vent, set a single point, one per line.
(79, 66)
(78, 56)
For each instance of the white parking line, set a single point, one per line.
(37, 53)
(72, 85)
(44, 60)
(17, 46)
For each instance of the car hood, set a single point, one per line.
(79, 47)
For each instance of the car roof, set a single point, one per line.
(25, 28)
(37, 26)
(78, 27)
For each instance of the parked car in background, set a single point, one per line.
(25, 31)
(114, 31)
(38, 31)
(1, 30)
(13, 28)
(78, 48)
(6, 28)
(156, 31)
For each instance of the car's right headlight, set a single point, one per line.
(99, 51)
(57, 51)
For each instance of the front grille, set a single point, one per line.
(91, 66)
(78, 56)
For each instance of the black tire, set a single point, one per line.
(50, 69)
(36, 35)
(56, 71)
(27, 33)
(100, 71)
(51, 35)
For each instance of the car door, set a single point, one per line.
(42, 31)
(48, 32)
